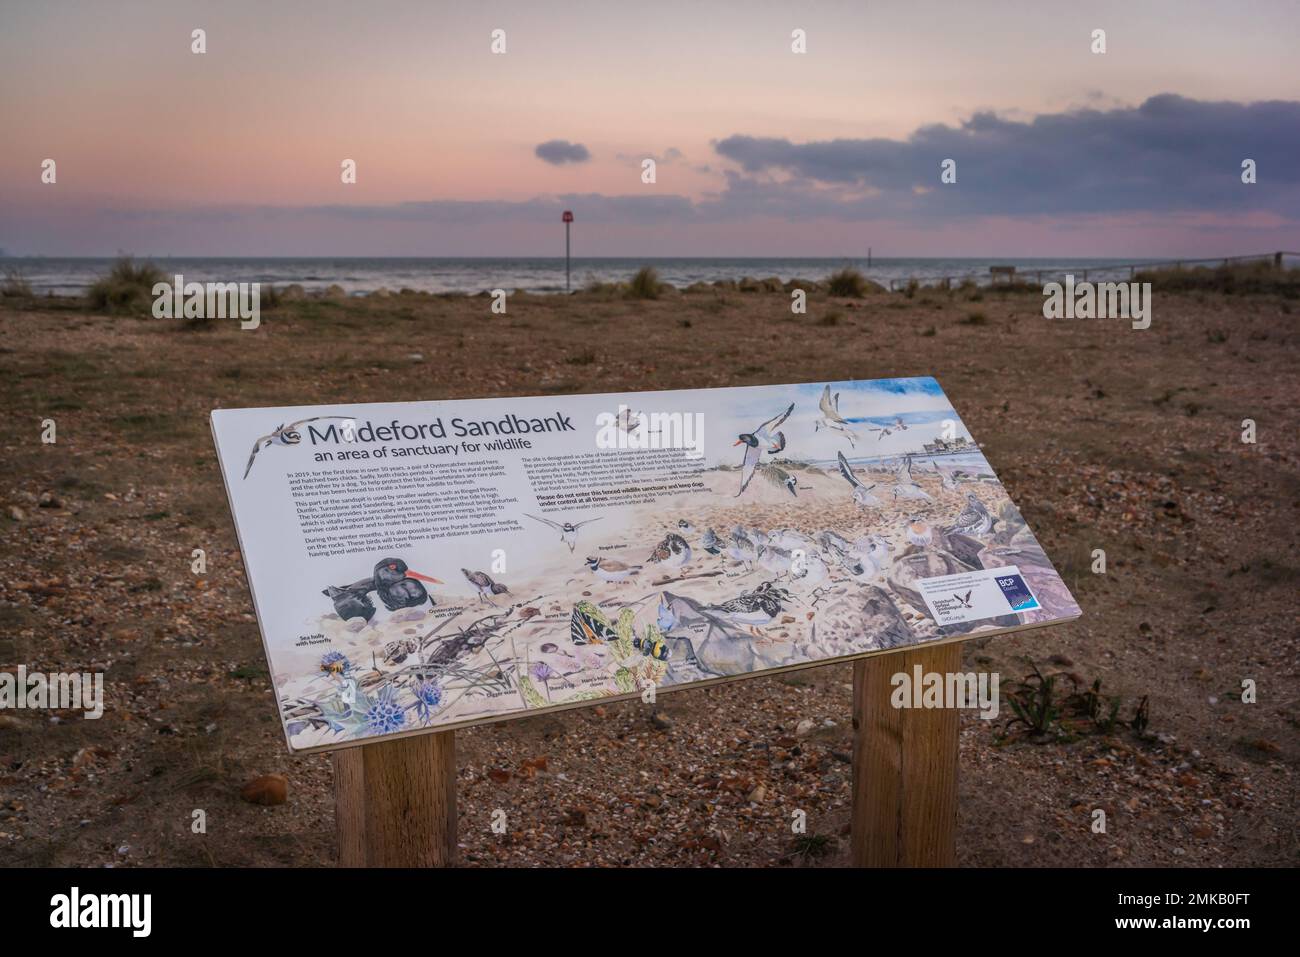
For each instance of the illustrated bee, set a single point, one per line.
(585, 628)
(395, 652)
(655, 648)
(333, 667)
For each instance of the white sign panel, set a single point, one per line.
(425, 565)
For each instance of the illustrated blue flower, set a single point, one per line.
(385, 715)
(427, 697)
(541, 671)
(335, 663)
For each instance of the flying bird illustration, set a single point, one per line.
(287, 435)
(754, 442)
(861, 492)
(568, 530)
(831, 418)
(965, 602)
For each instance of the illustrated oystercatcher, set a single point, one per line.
(397, 585)
(754, 442)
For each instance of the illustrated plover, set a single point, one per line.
(672, 552)
(742, 548)
(757, 442)
(861, 492)
(905, 486)
(686, 527)
(974, 519)
(778, 477)
(874, 551)
(809, 569)
(568, 530)
(607, 569)
(484, 585)
(831, 418)
(287, 435)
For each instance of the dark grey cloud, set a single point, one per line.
(1168, 154)
(559, 152)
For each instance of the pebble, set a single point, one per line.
(268, 790)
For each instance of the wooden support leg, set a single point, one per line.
(904, 766)
(395, 802)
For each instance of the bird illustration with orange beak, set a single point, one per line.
(765, 438)
(397, 585)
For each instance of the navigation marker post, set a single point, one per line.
(568, 218)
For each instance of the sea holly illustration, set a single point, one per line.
(383, 714)
(428, 695)
(335, 663)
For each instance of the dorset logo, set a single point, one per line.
(210, 300)
(103, 910)
(1106, 300)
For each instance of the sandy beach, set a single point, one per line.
(1106, 438)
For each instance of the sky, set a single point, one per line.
(759, 151)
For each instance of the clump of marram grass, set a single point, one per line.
(15, 285)
(847, 283)
(127, 286)
(645, 284)
(1248, 278)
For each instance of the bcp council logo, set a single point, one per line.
(1017, 593)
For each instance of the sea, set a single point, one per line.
(359, 276)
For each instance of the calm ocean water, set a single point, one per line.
(72, 276)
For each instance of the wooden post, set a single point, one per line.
(904, 766)
(395, 802)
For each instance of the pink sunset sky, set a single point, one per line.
(760, 151)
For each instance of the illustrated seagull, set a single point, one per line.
(861, 493)
(568, 530)
(754, 442)
(287, 435)
(831, 418)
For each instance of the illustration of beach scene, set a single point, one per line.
(807, 534)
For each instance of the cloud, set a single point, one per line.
(559, 152)
(1169, 154)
